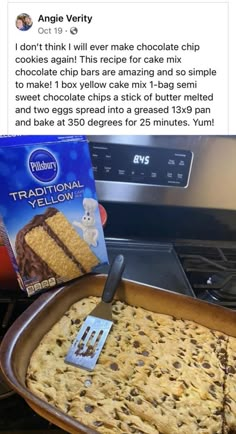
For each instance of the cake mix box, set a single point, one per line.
(49, 211)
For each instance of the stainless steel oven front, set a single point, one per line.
(187, 171)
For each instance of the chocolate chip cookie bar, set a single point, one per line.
(156, 374)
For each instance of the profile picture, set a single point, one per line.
(24, 22)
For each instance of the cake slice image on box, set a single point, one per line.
(50, 246)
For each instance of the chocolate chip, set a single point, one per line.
(149, 317)
(211, 374)
(68, 407)
(59, 342)
(181, 354)
(117, 417)
(33, 377)
(114, 366)
(140, 363)
(223, 359)
(177, 365)
(193, 341)
(145, 353)
(141, 333)
(125, 410)
(152, 366)
(206, 365)
(82, 393)
(230, 370)
(213, 394)
(134, 392)
(88, 408)
(98, 423)
(219, 412)
(75, 321)
(180, 424)
(136, 344)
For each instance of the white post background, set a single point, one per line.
(209, 24)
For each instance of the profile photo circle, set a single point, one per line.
(24, 22)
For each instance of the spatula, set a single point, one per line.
(88, 344)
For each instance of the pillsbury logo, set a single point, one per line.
(43, 165)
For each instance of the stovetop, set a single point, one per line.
(211, 271)
(197, 269)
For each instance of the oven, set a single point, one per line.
(173, 199)
(171, 210)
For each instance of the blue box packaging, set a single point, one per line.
(49, 211)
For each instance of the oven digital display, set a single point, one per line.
(139, 164)
(141, 159)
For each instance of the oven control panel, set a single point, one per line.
(141, 164)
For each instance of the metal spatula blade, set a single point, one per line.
(88, 344)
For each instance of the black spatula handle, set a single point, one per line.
(114, 275)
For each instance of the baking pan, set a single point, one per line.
(26, 332)
(144, 258)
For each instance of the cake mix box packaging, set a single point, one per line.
(49, 211)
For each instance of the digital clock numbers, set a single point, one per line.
(141, 159)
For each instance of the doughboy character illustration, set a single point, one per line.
(87, 224)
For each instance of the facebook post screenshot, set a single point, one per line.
(117, 217)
